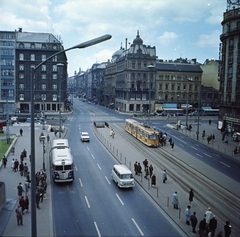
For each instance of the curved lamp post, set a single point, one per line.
(33, 179)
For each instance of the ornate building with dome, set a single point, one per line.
(130, 78)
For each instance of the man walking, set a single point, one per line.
(21, 131)
(194, 222)
(164, 176)
(4, 161)
(188, 215)
(175, 201)
(213, 225)
(19, 215)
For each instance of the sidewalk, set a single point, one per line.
(8, 220)
(217, 144)
(162, 193)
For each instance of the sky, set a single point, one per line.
(177, 28)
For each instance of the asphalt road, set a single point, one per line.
(93, 205)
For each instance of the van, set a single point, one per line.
(236, 137)
(122, 176)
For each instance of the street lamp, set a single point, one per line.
(177, 112)
(33, 179)
(199, 100)
(150, 67)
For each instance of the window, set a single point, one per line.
(54, 46)
(160, 77)
(54, 97)
(54, 68)
(166, 87)
(44, 57)
(44, 46)
(21, 67)
(32, 46)
(21, 96)
(133, 76)
(43, 96)
(55, 59)
(173, 87)
(133, 64)
(190, 87)
(139, 64)
(178, 87)
(32, 57)
(44, 76)
(173, 77)
(21, 45)
(21, 56)
(54, 77)
(44, 67)
(21, 86)
(21, 75)
(54, 87)
(166, 77)
(44, 87)
(160, 86)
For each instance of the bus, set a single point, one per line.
(144, 133)
(62, 161)
(206, 112)
(172, 112)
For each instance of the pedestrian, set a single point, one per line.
(191, 195)
(164, 176)
(21, 131)
(213, 137)
(139, 169)
(19, 215)
(13, 150)
(170, 140)
(172, 145)
(16, 164)
(22, 204)
(48, 138)
(208, 215)
(188, 214)
(210, 121)
(175, 201)
(25, 169)
(26, 203)
(20, 189)
(226, 139)
(12, 166)
(213, 225)
(202, 227)
(21, 169)
(4, 161)
(194, 222)
(24, 152)
(153, 180)
(41, 192)
(145, 163)
(37, 199)
(26, 185)
(203, 134)
(150, 170)
(21, 157)
(227, 229)
(135, 168)
(28, 179)
(146, 172)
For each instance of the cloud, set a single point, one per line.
(211, 40)
(167, 38)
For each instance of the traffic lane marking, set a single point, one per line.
(119, 199)
(87, 201)
(225, 164)
(135, 223)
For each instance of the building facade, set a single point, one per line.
(7, 72)
(229, 68)
(23, 51)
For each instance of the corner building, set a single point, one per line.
(229, 69)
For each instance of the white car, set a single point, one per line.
(85, 137)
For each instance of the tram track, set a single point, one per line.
(209, 193)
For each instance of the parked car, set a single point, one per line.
(236, 136)
(84, 136)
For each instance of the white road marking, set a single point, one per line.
(225, 164)
(75, 168)
(181, 145)
(137, 227)
(92, 156)
(198, 155)
(98, 232)
(88, 148)
(207, 155)
(107, 180)
(194, 148)
(80, 181)
(87, 201)
(99, 166)
(119, 199)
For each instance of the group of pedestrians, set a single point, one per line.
(148, 169)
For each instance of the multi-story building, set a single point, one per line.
(178, 84)
(20, 52)
(7, 69)
(133, 77)
(229, 68)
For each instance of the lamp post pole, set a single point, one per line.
(150, 67)
(187, 113)
(199, 101)
(33, 179)
(177, 113)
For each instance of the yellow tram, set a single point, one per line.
(142, 132)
